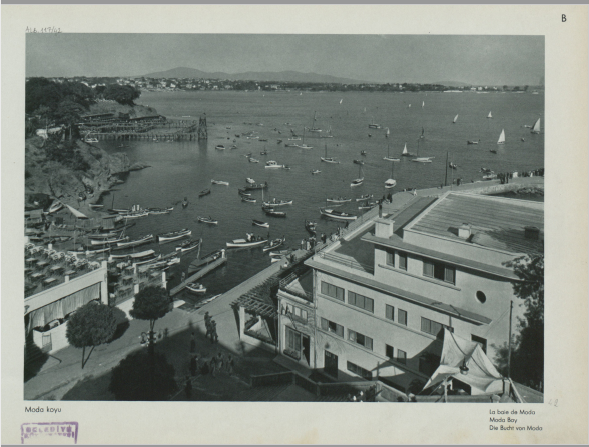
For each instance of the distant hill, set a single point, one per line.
(269, 76)
(452, 83)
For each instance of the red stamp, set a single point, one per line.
(49, 433)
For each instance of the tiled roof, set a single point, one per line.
(497, 223)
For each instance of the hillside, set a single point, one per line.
(282, 76)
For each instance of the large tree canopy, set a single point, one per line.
(43, 92)
(123, 94)
(91, 325)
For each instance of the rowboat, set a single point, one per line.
(174, 235)
(87, 252)
(365, 197)
(367, 206)
(102, 236)
(340, 215)
(135, 215)
(253, 160)
(273, 244)
(259, 223)
(148, 261)
(119, 210)
(472, 142)
(220, 147)
(311, 227)
(247, 199)
(204, 192)
(339, 200)
(256, 186)
(94, 206)
(271, 212)
(359, 162)
(272, 164)
(188, 245)
(140, 255)
(275, 202)
(207, 220)
(245, 243)
(219, 182)
(136, 242)
(196, 287)
(251, 181)
(315, 171)
(242, 192)
(108, 241)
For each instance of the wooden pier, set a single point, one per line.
(202, 272)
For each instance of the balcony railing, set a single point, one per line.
(352, 263)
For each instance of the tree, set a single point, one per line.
(123, 94)
(527, 359)
(132, 378)
(150, 304)
(91, 325)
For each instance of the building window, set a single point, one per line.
(359, 371)
(330, 326)
(361, 339)
(391, 258)
(481, 341)
(363, 302)
(481, 297)
(297, 313)
(402, 260)
(390, 352)
(332, 291)
(390, 312)
(432, 327)
(293, 340)
(401, 356)
(439, 270)
(402, 316)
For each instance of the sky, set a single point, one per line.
(480, 60)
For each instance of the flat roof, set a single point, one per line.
(496, 223)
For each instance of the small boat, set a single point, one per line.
(256, 186)
(264, 153)
(143, 254)
(204, 192)
(340, 215)
(196, 287)
(207, 220)
(220, 147)
(188, 245)
(359, 180)
(219, 182)
(278, 141)
(472, 142)
(159, 210)
(294, 138)
(242, 192)
(452, 165)
(455, 119)
(233, 147)
(272, 213)
(489, 115)
(359, 162)
(305, 146)
(273, 244)
(272, 164)
(493, 150)
(489, 177)
(313, 128)
(365, 197)
(501, 137)
(108, 235)
(249, 154)
(94, 206)
(388, 157)
(291, 145)
(536, 128)
(280, 254)
(253, 160)
(248, 199)
(327, 159)
(328, 134)
(259, 223)
(174, 235)
(135, 214)
(406, 153)
(148, 261)
(364, 153)
(134, 243)
(205, 260)
(55, 206)
(422, 159)
(339, 199)
(523, 139)
(315, 171)
(249, 242)
(119, 210)
(87, 251)
(185, 202)
(311, 227)
(367, 206)
(486, 171)
(422, 133)
(263, 139)
(373, 125)
(275, 202)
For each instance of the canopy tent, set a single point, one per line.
(481, 376)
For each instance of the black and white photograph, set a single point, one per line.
(253, 217)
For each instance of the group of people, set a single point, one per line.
(211, 327)
(368, 396)
(250, 237)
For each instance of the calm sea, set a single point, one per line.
(182, 169)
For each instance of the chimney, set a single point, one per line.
(532, 233)
(384, 227)
(464, 231)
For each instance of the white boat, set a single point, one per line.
(388, 133)
(423, 104)
(275, 202)
(473, 142)
(365, 197)
(313, 128)
(251, 181)
(536, 128)
(271, 164)
(315, 171)
(188, 245)
(339, 200)
(327, 159)
(273, 244)
(340, 215)
(253, 160)
(328, 134)
(388, 157)
(489, 115)
(142, 254)
(135, 215)
(341, 100)
(219, 182)
(259, 223)
(373, 125)
(140, 241)
(419, 159)
(501, 137)
(196, 287)
(108, 241)
(220, 147)
(455, 119)
(391, 182)
(359, 180)
(422, 133)
(207, 220)
(245, 243)
(173, 235)
(405, 152)
(55, 206)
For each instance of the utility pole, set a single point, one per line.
(509, 352)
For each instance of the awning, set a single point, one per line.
(482, 376)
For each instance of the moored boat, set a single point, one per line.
(207, 220)
(473, 142)
(315, 171)
(365, 197)
(259, 223)
(247, 199)
(204, 192)
(359, 162)
(272, 164)
(273, 244)
(311, 227)
(219, 182)
(134, 243)
(108, 241)
(339, 199)
(205, 260)
(501, 137)
(340, 215)
(250, 241)
(536, 128)
(251, 181)
(188, 245)
(275, 202)
(253, 160)
(196, 287)
(256, 186)
(220, 147)
(174, 235)
(143, 254)
(272, 212)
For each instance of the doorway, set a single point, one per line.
(331, 366)
(307, 349)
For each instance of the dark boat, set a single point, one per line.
(242, 192)
(205, 260)
(359, 162)
(271, 212)
(311, 227)
(184, 202)
(256, 186)
(204, 192)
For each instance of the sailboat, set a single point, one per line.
(536, 128)
(423, 104)
(422, 133)
(406, 153)
(328, 134)
(341, 100)
(390, 183)
(388, 133)
(327, 159)
(373, 125)
(304, 146)
(455, 118)
(419, 159)
(501, 137)
(489, 115)
(314, 129)
(389, 158)
(359, 180)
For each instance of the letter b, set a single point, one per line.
(564, 18)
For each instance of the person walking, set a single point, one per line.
(188, 388)
(213, 367)
(214, 336)
(229, 364)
